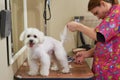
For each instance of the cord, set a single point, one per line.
(47, 4)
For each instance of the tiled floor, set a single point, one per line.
(81, 72)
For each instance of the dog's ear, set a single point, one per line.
(41, 36)
(22, 36)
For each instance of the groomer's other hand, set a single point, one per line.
(80, 57)
(73, 26)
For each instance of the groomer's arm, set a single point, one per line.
(90, 52)
(75, 26)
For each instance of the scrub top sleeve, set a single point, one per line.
(109, 27)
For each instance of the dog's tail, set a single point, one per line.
(63, 35)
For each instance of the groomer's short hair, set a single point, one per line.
(94, 3)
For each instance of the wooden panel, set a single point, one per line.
(17, 23)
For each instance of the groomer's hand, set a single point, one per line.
(73, 26)
(80, 57)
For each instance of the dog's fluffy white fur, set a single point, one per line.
(45, 49)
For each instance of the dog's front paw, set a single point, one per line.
(32, 73)
(44, 73)
(67, 70)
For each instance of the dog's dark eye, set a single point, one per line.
(28, 36)
(35, 36)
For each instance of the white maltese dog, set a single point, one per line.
(45, 49)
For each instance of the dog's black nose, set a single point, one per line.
(31, 41)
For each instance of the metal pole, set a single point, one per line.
(25, 14)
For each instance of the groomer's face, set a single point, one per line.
(100, 11)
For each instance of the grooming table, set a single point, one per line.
(78, 72)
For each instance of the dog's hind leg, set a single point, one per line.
(45, 64)
(55, 64)
(61, 56)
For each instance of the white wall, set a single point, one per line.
(64, 11)
(6, 72)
